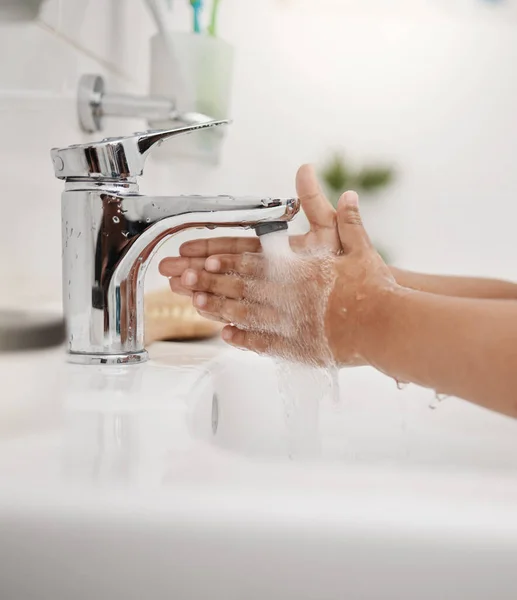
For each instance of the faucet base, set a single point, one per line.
(107, 359)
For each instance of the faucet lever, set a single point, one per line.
(117, 158)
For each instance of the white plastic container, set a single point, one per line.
(198, 76)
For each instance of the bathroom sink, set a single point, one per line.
(366, 419)
(191, 477)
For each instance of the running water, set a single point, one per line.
(300, 305)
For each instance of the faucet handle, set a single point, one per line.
(118, 157)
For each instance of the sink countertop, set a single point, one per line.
(123, 463)
(136, 433)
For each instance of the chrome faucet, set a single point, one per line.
(111, 233)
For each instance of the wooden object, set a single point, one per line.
(169, 316)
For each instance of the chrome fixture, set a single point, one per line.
(111, 232)
(94, 103)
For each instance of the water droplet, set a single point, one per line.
(437, 399)
(401, 385)
(148, 220)
(125, 234)
(79, 234)
(116, 220)
(71, 232)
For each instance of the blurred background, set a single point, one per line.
(424, 88)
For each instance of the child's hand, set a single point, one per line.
(323, 233)
(315, 307)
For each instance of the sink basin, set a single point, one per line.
(366, 419)
(192, 477)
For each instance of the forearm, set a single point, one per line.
(461, 287)
(457, 346)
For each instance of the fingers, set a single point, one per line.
(178, 288)
(235, 287)
(230, 286)
(227, 310)
(244, 264)
(223, 245)
(316, 207)
(262, 343)
(211, 317)
(174, 266)
(350, 226)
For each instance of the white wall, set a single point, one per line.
(432, 94)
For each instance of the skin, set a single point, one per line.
(455, 335)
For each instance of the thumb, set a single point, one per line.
(316, 207)
(350, 226)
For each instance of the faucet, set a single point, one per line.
(111, 232)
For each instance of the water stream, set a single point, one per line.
(300, 306)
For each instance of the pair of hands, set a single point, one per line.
(321, 314)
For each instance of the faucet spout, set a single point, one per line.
(111, 233)
(109, 239)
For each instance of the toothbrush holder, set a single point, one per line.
(196, 70)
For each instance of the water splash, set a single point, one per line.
(302, 390)
(298, 318)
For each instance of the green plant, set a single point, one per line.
(338, 177)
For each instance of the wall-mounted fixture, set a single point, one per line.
(95, 103)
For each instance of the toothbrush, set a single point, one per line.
(197, 5)
(212, 28)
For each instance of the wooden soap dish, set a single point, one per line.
(169, 316)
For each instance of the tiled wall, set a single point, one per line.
(436, 97)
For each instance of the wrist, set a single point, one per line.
(378, 321)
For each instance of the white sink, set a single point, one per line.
(372, 422)
(182, 479)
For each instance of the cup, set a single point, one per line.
(196, 70)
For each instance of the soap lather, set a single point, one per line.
(111, 233)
